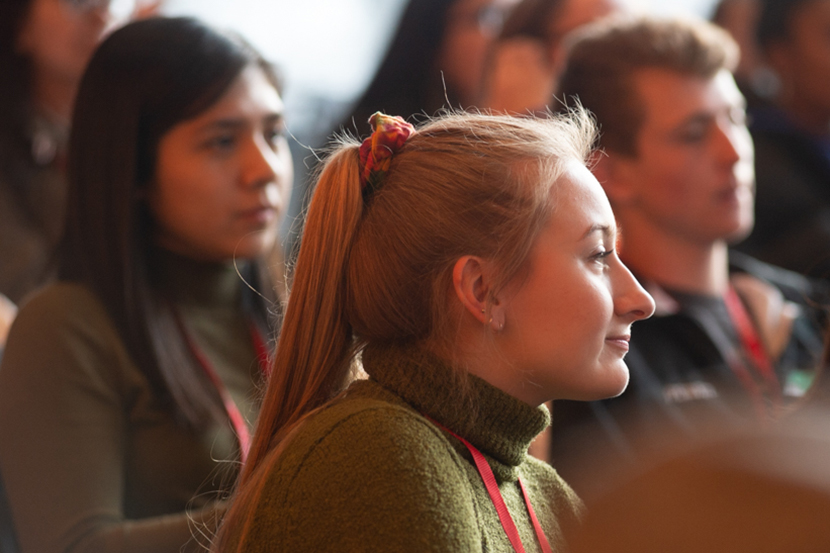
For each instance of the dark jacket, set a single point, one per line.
(792, 208)
(681, 383)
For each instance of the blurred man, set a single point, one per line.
(733, 340)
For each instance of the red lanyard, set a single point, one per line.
(754, 349)
(263, 355)
(507, 522)
(243, 433)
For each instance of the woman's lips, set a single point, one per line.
(621, 342)
(260, 215)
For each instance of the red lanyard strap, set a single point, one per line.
(263, 354)
(240, 427)
(243, 434)
(753, 347)
(507, 522)
(540, 534)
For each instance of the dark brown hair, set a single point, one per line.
(531, 19)
(15, 86)
(775, 20)
(15, 101)
(407, 81)
(142, 81)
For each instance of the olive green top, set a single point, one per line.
(373, 473)
(90, 459)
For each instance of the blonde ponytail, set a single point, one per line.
(315, 345)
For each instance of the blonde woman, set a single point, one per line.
(470, 267)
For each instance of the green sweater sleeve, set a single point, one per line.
(360, 485)
(66, 388)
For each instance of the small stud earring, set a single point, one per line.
(497, 323)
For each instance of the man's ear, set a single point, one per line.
(472, 286)
(615, 172)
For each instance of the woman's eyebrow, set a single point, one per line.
(604, 229)
(231, 123)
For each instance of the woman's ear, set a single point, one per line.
(472, 282)
(472, 286)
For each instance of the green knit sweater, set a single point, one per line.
(372, 473)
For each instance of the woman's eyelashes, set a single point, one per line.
(227, 142)
(601, 256)
(221, 143)
(275, 135)
(273, 130)
(692, 134)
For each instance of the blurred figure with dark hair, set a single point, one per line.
(525, 63)
(740, 19)
(792, 139)
(436, 58)
(44, 48)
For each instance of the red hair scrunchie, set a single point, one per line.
(389, 134)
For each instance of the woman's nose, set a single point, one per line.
(632, 302)
(262, 163)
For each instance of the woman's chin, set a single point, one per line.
(614, 385)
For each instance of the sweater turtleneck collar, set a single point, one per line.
(496, 423)
(201, 283)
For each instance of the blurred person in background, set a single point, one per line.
(732, 339)
(734, 490)
(435, 59)
(737, 491)
(127, 387)
(792, 139)
(44, 48)
(8, 311)
(524, 65)
(740, 19)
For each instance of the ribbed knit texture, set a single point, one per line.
(497, 424)
(372, 473)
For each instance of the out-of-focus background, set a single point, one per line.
(329, 49)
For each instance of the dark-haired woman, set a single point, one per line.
(126, 387)
(436, 58)
(523, 70)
